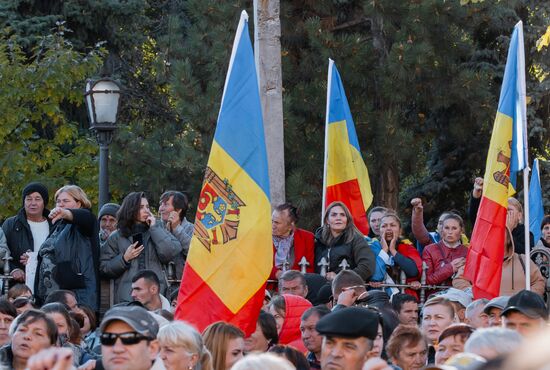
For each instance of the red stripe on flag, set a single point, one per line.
(200, 306)
(485, 255)
(349, 193)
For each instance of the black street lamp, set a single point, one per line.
(102, 98)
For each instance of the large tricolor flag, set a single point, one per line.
(230, 255)
(486, 252)
(345, 174)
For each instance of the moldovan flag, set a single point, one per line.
(346, 178)
(231, 255)
(486, 252)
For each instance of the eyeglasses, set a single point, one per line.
(109, 339)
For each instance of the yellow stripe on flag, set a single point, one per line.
(240, 261)
(340, 161)
(496, 182)
(344, 162)
(362, 177)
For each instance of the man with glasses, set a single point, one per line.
(128, 339)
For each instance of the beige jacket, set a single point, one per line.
(513, 277)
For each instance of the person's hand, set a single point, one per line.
(173, 220)
(88, 365)
(58, 213)
(132, 252)
(53, 358)
(347, 297)
(376, 363)
(512, 219)
(18, 275)
(384, 244)
(151, 220)
(417, 204)
(24, 259)
(458, 263)
(415, 285)
(393, 242)
(375, 284)
(330, 275)
(278, 274)
(478, 187)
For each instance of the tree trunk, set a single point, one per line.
(267, 50)
(387, 188)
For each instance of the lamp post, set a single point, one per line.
(102, 98)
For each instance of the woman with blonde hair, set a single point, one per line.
(69, 257)
(338, 240)
(225, 343)
(182, 348)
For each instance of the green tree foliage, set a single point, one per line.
(38, 139)
(422, 78)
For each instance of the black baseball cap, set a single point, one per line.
(528, 303)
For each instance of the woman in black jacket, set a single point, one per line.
(69, 258)
(339, 239)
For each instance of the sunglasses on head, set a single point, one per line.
(109, 339)
(22, 301)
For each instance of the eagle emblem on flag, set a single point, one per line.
(217, 212)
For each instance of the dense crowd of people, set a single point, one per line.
(336, 299)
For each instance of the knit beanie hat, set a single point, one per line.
(36, 187)
(108, 209)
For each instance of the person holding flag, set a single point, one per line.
(346, 178)
(230, 255)
(507, 152)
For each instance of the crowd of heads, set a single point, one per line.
(336, 318)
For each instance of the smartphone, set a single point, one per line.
(138, 238)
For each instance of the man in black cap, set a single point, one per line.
(27, 230)
(525, 313)
(348, 336)
(107, 221)
(128, 339)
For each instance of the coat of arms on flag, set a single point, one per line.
(217, 212)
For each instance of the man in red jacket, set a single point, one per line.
(290, 243)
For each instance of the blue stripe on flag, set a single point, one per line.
(536, 207)
(339, 107)
(240, 130)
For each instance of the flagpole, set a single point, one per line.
(329, 87)
(521, 125)
(526, 227)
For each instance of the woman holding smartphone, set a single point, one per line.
(139, 243)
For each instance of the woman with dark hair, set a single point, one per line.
(291, 354)
(338, 240)
(544, 240)
(139, 243)
(8, 313)
(31, 332)
(398, 254)
(90, 338)
(69, 257)
(265, 336)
